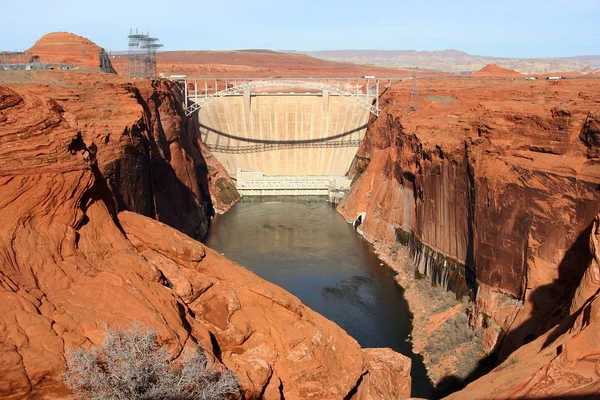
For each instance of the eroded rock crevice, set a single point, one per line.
(163, 171)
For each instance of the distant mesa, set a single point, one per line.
(258, 50)
(73, 50)
(495, 70)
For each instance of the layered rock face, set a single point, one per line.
(148, 152)
(71, 49)
(157, 166)
(72, 267)
(493, 190)
(564, 362)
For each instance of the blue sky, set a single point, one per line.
(509, 28)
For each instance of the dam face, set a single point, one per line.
(284, 134)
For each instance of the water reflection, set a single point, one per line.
(303, 245)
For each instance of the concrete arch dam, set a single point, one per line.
(296, 135)
(284, 134)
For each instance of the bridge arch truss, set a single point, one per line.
(200, 92)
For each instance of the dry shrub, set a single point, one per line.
(130, 364)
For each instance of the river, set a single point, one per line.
(303, 245)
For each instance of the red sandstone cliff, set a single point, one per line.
(148, 151)
(494, 192)
(157, 165)
(562, 363)
(70, 267)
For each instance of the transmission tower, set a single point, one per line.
(133, 61)
(149, 46)
(413, 102)
(142, 55)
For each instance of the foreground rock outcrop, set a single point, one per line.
(70, 267)
(493, 187)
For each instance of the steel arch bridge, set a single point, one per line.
(361, 91)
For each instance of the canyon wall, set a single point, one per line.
(562, 363)
(162, 169)
(72, 266)
(494, 190)
(148, 152)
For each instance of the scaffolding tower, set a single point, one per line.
(142, 55)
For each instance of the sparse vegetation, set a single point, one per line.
(452, 334)
(512, 360)
(131, 365)
(442, 99)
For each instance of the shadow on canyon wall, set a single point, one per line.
(143, 179)
(260, 145)
(453, 380)
(552, 303)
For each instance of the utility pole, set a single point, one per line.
(413, 102)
